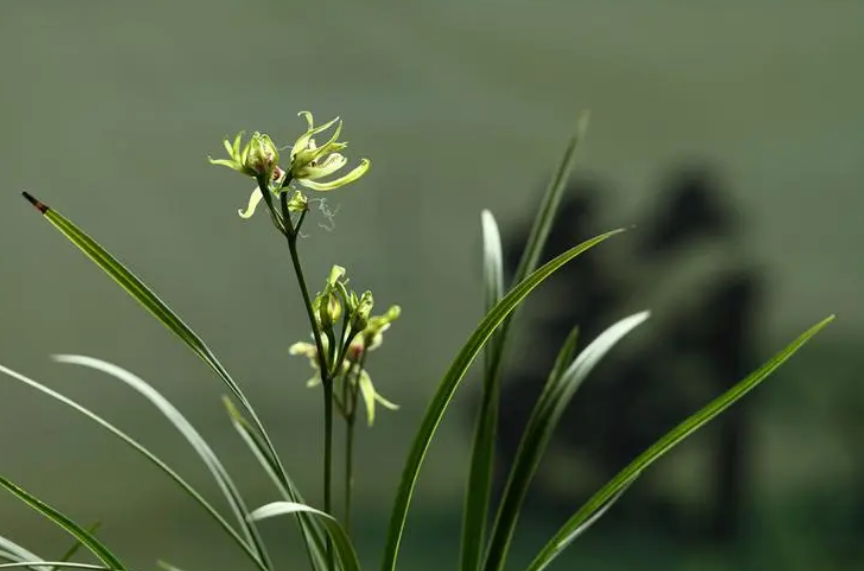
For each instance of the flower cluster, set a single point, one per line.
(345, 352)
(308, 164)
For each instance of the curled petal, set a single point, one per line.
(302, 142)
(359, 171)
(254, 199)
(368, 392)
(233, 165)
(330, 165)
(386, 403)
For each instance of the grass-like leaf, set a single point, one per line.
(182, 424)
(478, 490)
(344, 547)
(159, 309)
(565, 535)
(544, 419)
(58, 565)
(73, 550)
(313, 535)
(192, 492)
(449, 384)
(16, 553)
(94, 545)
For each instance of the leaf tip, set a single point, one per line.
(41, 207)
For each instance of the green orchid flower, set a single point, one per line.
(259, 156)
(309, 163)
(371, 397)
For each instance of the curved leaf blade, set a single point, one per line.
(159, 309)
(94, 545)
(313, 535)
(58, 565)
(564, 537)
(70, 553)
(556, 396)
(182, 424)
(341, 541)
(135, 445)
(16, 553)
(479, 486)
(449, 384)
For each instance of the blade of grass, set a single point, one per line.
(95, 546)
(449, 384)
(19, 553)
(58, 565)
(192, 492)
(544, 419)
(478, 489)
(182, 424)
(478, 495)
(341, 541)
(565, 536)
(70, 553)
(152, 303)
(312, 533)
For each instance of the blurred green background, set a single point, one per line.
(109, 110)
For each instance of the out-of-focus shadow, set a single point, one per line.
(695, 350)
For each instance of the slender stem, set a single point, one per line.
(328, 462)
(349, 468)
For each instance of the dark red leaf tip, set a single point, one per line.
(43, 208)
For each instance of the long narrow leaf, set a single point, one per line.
(19, 553)
(482, 456)
(544, 419)
(94, 545)
(182, 424)
(674, 437)
(58, 565)
(150, 301)
(341, 541)
(192, 492)
(313, 535)
(73, 550)
(478, 489)
(449, 384)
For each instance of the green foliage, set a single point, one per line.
(339, 355)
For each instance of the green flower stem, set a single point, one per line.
(351, 392)
(291, 234)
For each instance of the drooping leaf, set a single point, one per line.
(449, 384)
(182, 424)
(16, 553)
(77, 545)
(58, 518)
(341, 541)
(159, 309)
(135, 445)
(313, 535)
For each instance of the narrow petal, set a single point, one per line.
(254, 199)
(228, 147)
(330, 165)
(302, 142)
(302, 348)
(386, 403)
(308, 117)
(314, 381)
(237, 143)
(368, 392)
(348, 178)
(233, 165)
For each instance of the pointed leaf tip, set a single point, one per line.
(43, 208)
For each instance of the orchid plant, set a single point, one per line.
(344, 331)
